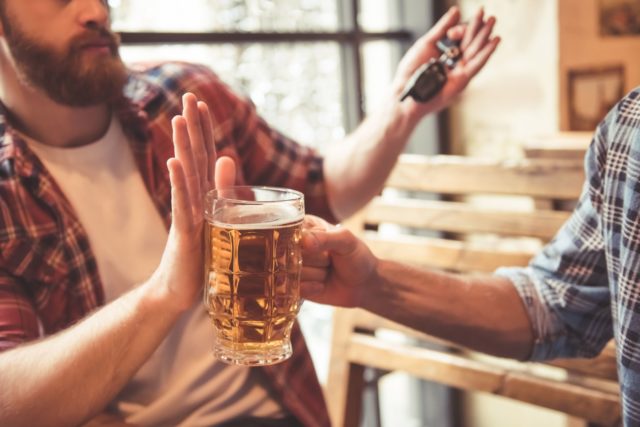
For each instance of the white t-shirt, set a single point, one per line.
(181, 384)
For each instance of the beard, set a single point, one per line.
(72, 77)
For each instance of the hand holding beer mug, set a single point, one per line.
(252, 279)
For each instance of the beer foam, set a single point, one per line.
(256, 216)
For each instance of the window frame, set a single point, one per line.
(350, 39)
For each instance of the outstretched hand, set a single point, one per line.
(477, 46)
(193, 171)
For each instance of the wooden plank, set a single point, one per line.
(356, 385)
(364, 320)
(602, 366)
(466, 175)
(586, 371)
(339, 387)
(428, 364)
(561, 145)
(576, 422)
(461, 217)
(594, 405)
(458, 371)
(444, 254)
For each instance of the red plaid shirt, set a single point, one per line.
(48, 273)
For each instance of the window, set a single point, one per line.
(320, 95)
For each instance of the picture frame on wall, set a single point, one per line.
(619, 17)
(592, 93)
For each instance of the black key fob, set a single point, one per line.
(425, 82)
(429, 79)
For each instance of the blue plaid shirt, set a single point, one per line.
(583, 288)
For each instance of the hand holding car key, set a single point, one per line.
(442, 62)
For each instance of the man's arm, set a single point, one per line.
(67, 378)
(484, 313)
(356, 169)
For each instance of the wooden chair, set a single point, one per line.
(586, 389)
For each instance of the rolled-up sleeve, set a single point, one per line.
(565, 288)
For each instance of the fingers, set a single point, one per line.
(315, 259)
(313, 274)
(476, 63)
(191, 113)
(311, 289)
(194, 143)
(209, 144)
(424, 47)
(339, 241)
(477, 47)
(319, 236)
(312, 227)
(184, 153)
(312, 221)
(313, 256)
(480, 39)
(472, 29)
(180, 199)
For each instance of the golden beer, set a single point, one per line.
(252, 291)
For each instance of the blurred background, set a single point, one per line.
(314, 68)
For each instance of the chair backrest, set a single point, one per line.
(465, 214)
(453, 178)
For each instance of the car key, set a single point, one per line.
(431, 77)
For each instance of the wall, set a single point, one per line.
(523, 90)
(582, 46)
(515, 95)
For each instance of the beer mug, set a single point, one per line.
(252, 271)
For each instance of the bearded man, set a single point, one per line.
(100, 241)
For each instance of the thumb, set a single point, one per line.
(225, 172)
(339, 240)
